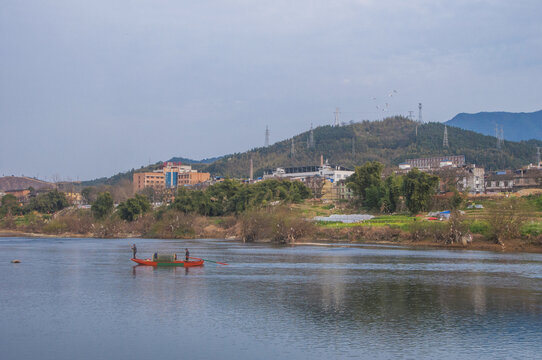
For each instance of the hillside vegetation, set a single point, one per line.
(390, 141)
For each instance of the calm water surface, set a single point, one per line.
(84, 299)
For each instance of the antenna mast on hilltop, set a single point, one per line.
(266, 136)
(445, 140)
(337, 112)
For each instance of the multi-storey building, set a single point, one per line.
(507, 181)
(170, 176)
(436, 162)
(332, 173)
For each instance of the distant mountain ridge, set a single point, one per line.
(191, 161)
(516, 126)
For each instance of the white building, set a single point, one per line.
(332, 173)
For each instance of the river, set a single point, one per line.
(84, 299)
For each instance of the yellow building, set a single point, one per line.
(170, 176)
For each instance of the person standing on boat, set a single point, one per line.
(134, 250)
(187, 254)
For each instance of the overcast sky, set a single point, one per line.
(91, 88)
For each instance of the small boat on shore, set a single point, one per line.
(169, 260)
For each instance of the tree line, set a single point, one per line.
(376, 193)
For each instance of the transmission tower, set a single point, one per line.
(337, 112)
(266, 136)
(499, 134)
(311, 138)
(420, 120)
(445, 140)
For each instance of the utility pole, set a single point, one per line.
(445, 139)
(353, 145)
(251, 169)
(538, 156)
(292, 150)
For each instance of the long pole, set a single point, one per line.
(216, 262)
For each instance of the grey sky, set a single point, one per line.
(91, 88)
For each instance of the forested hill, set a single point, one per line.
(516, 126)
(390, 141)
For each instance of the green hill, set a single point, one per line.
(390, 141)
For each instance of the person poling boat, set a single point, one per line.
(134, 250)
(168, 260)
(186, 254)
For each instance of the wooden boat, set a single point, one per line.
(151, 262)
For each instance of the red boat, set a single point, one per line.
(161, 260)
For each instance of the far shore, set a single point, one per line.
(511, 246)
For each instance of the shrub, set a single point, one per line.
(279, 225)
(506, 220)
(479, 227)
(173, 224)
(424, 230)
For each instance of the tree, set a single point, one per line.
(103, 205)
(366, 184)
(88, 194)
(10, 206)
(133, 207)
(393, 188)
(183, 201)
(48, 203)
(418, 188)
(365, 176)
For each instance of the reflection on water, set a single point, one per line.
(84, 299)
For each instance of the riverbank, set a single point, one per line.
(497, 229)
(478, 243)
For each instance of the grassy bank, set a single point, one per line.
(505, 224)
